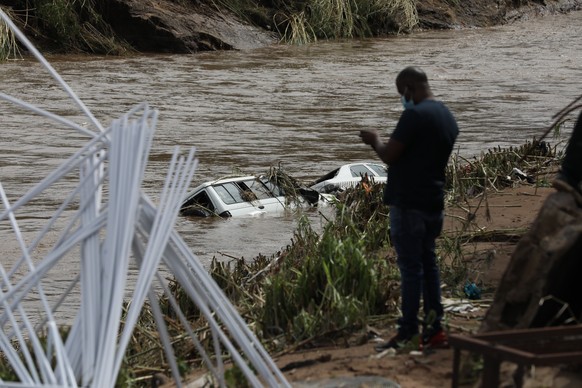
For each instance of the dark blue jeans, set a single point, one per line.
(413, 233)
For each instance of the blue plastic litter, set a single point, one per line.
(472, 291)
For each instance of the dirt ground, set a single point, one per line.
(354, 363)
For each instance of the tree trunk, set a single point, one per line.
(541, 285)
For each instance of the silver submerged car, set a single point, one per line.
(244, 196)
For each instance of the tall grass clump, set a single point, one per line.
(295, 28)
(70, 25)
(76, 25)
(450, 252)
(60, 21)
(336, 19)
(8, 45)
(361, 18)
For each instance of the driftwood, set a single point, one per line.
(541, 285)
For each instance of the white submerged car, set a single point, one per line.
(350, 175)
(242, 196)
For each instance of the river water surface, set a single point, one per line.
(298, 107)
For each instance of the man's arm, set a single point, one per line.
(388, 152)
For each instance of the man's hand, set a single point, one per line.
(389, 152)
(369, 137)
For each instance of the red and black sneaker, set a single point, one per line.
(436, 340)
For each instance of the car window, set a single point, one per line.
(380, 170)
(328, 176)
(229, 193)
(275, 189)
(203, 200)
(199, 205)
(359, 170)
(258, 189)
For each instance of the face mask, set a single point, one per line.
(407, 104)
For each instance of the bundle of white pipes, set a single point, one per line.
(113, 224)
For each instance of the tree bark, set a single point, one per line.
(541, 285)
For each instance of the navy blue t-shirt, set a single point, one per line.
(416, 181)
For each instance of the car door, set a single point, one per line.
(380, 171)
(247, 197)
(263, 196)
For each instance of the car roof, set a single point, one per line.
(348, 166)
(232, 179)
(220, 181)
(358, 163)
(333, 173)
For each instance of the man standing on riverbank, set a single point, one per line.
(417, 154)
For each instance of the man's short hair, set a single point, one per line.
(413, 75)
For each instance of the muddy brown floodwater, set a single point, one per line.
(297, 107)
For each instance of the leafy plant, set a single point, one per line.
(327, 283)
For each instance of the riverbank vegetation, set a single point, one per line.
(61, 26)
(118, 27)
(333, 284)
(308, 21)
(79, 26)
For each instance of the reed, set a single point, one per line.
(357, 18)
(9, 48)
(77, 25)
(70, 26)
(304, 22)
(294, 28)
(334, 18)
